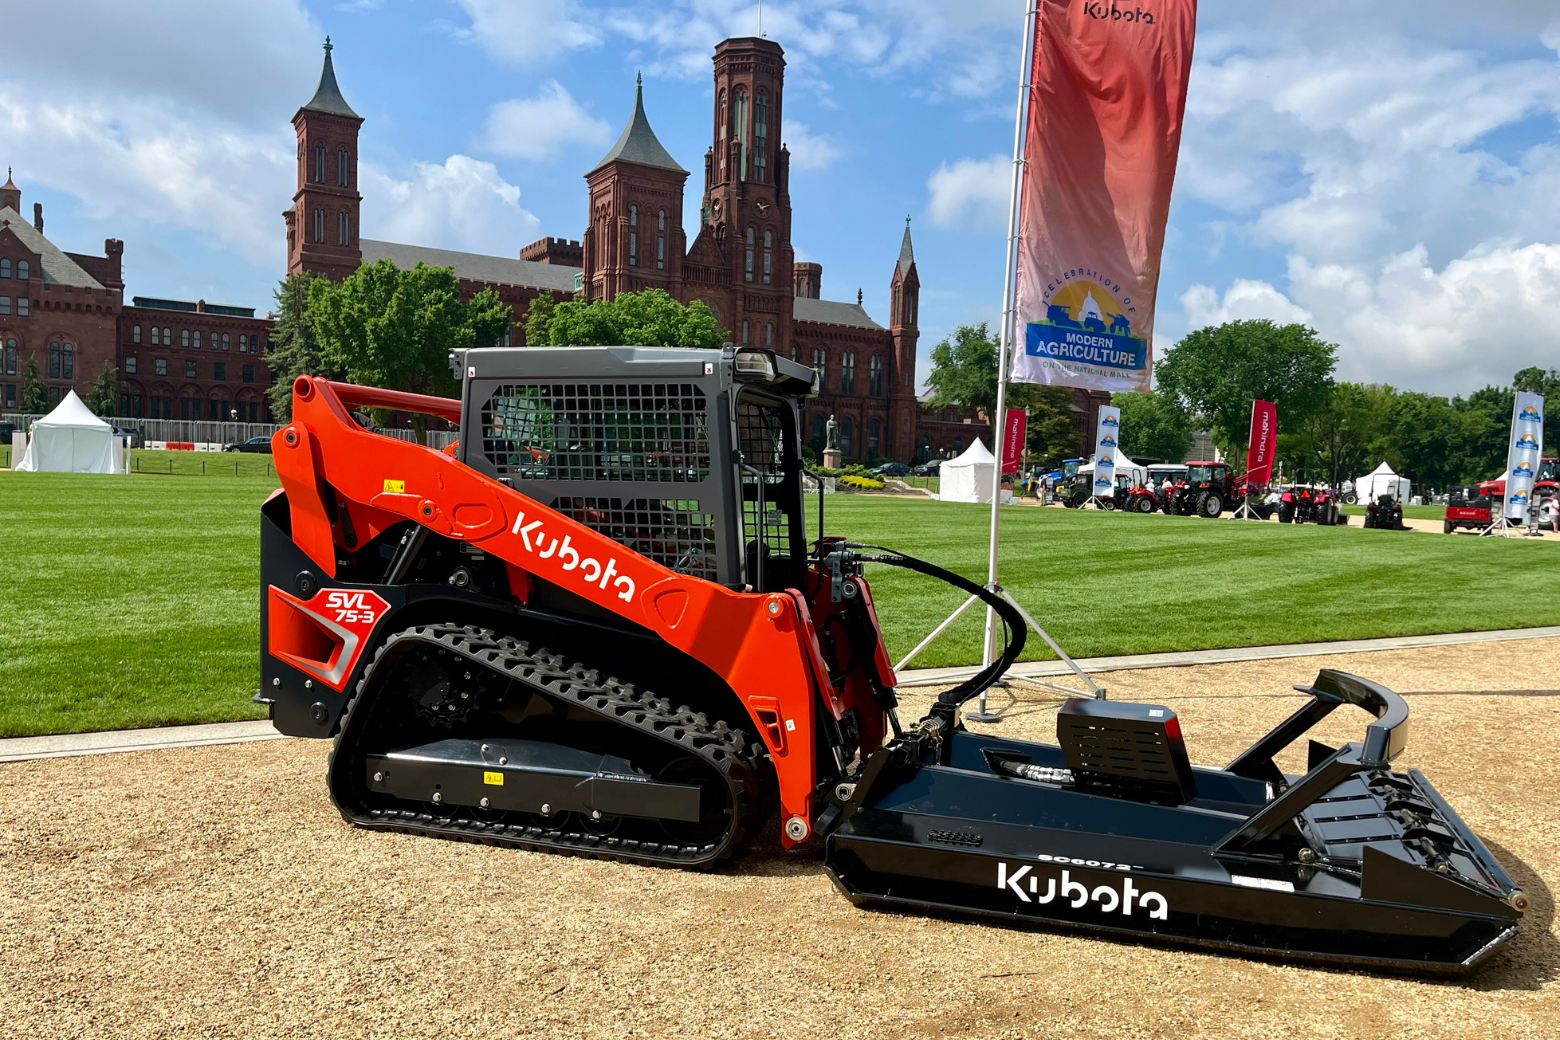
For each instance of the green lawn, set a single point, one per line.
(133, 601)
(130, 601)
(1409, 512)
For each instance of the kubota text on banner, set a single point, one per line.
(1104, 129)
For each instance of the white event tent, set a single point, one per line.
(71, 439)
(969, 477)
(1382, 481)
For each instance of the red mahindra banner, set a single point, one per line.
(1105, 110)
(1264, 443)
(1013, 440)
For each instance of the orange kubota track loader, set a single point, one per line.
(597, 625)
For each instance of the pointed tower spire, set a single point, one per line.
(10, 194)
(639, 143)
(327, 96)
(906, 251)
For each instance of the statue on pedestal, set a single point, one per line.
(831, 435)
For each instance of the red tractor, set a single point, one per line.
(1207, 489)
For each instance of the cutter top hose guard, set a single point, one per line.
(1013, 629)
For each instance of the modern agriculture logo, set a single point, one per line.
(1528, 441)
(1088, 323)
(1529, 414)
(1107, 441)
(1522, 469)
(1519, 499)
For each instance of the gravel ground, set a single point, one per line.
(214, 892)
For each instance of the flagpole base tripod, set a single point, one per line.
(1245, 512)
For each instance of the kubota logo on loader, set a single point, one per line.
(1026, 886)
(590, 569)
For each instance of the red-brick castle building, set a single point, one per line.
(66, 313)
(734, 253)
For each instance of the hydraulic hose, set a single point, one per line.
(1013, 628)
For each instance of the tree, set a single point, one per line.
(35, 396)
(1216, 372)
(1052, 424)
(103, 398)
(1342, 435)
(1538, 381)
(395, 329)
(294, 348)
(1153, 426)
(651, 318)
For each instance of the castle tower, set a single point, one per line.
(744, 241)
(904, 327)
(635, 239)
(10, 194)
(322, 226)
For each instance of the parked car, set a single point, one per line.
(257, 444)
(928, 469)
(135, 436)
(892, 469)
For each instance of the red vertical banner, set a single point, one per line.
(1264, 443)
(1013, 440)
(1104, 132)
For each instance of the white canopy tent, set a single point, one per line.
(969, 477)
(1382, 481)
(71, 439)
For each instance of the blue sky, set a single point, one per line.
(1385, 172)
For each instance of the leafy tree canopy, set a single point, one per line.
(1216, 372)
(395, 329)
(294, 349)
(35, 395)
(103, 398)
(651, 318)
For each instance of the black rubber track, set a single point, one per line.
(749, 777)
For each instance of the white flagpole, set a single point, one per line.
(1004, 338)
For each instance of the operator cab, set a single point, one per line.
(689, 457)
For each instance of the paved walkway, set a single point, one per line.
(21, 749)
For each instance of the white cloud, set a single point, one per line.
(528, 31)
(462, 204)
(141, 160)
(541, 127)
(1243, 301)
(810, 151)
(971, 194)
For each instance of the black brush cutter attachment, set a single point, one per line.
(1112, 830)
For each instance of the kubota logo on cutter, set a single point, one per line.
(1026, 886)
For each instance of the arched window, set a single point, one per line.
(660, 240)
(197, 339)
(874, 437)
(224, 341)
(769, 245)
(184, 337)
(23, 270)
(54, 360)
(319, 164)
(848, 373)
(747, 268)
(721, 131)
(341, 167)
(821, 365)
(10, 358)
(344, 228)
(910, 306)
(68, 361)
(744, 332)
(319, 226)
(875, 376)
(167, 336)
(848, 437)
(633, 236)
(5, 268)
(135, 334)
(761, 137)
(818, 433)
(958, 445)
(769, 335)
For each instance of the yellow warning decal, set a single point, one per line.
(395, 487)
(495, 779)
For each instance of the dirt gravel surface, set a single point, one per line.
(214, 892)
